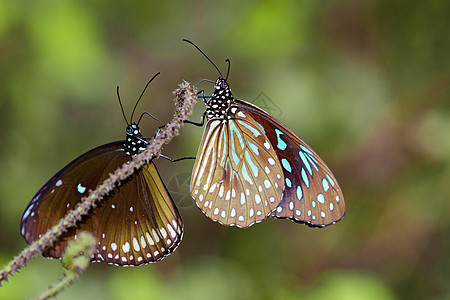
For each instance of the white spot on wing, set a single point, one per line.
(233, 213)
(163, 232)
(155, 235)
(257, 199)
(149, 239)
(172, 232)
(126, 247)
(136, 245)
(113, 246)
(143, 243)
(291, 205)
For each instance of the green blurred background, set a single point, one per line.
(365, 83)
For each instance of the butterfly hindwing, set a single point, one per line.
(149, 228)
(237, 179)
(137, 223)
(312, 194)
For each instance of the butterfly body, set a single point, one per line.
(137, 223)
(246, 151)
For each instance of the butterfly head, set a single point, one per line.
(134, 142)
(220, 100)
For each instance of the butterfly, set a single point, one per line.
(250, 166)
(137, 223)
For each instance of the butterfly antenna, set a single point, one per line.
(207, 80)
(121, 107)
(204, 56)
(149, 114)
(143, 91)
(228, 71)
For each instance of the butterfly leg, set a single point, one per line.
(200, 124)
(175, 160)
(203, 96)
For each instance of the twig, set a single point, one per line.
(74, 263)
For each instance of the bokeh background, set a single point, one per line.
(365, 83)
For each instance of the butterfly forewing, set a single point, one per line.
(237, 178)
(312, 194)
(137, 223)
(62, 192)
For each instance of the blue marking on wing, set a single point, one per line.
(286, 165)
(305, 178)
(312, 162)
(321, 198)
(253, 147)
(325, 185)
(305, 161)
(288, 182)
(330, 180)
(262, 128)
(249, 127)
(234, 130)
(305, 149)
(238, 134)
(312, 158)
(224, 144)
(235, 157)
(245, 174)
(81, 189)
(299, 193)
(233, 150)
(228, 163)
(27, 212)
(253, 167)
(220, 141)
(281, 144)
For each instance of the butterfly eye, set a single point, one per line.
(223, 84)
(130, 130)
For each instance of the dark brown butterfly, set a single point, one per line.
(137, 224)
(250, 166)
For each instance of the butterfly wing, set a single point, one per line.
(237, 179)
(312, 194)
(138, 223)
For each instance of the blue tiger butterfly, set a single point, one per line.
(250, 166)
(137, 223)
